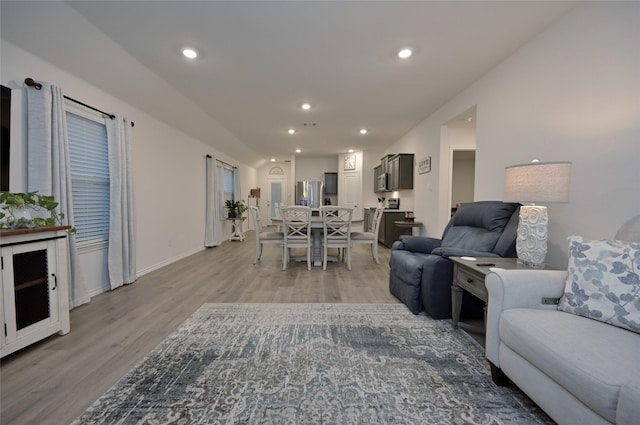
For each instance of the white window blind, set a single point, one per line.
(229, 184)
(89, 178)
(226, 187)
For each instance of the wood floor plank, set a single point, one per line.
(54, 381)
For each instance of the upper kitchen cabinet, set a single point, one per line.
(400, 171)
(377, 172)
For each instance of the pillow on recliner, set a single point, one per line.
(470, 239)
(489, 215)
(603, 282)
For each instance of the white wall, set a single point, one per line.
(169, 168)
(314, 168)
(571, 93)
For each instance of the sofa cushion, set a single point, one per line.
(590, 359)
(489, 215)
(603, 282)
(470, 238)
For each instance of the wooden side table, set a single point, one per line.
(469, 276)
(236, 228)
(411, 224)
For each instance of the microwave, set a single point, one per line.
(382, 182)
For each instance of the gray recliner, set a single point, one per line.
(421, 272)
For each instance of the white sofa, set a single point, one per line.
(577, 368)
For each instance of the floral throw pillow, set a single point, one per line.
(603, 282)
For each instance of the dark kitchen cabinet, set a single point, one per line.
(400, 168)
(388, 232)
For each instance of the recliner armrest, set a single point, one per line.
(510, 289)
(421, 244)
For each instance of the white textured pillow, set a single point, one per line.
(603, 282)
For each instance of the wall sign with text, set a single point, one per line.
(424, 165)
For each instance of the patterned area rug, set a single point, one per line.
(312, 364)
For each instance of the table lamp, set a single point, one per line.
(536, 182)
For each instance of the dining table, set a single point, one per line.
(317, 226)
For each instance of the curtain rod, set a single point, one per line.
(31, 83)
(222, 162)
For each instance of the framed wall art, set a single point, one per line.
(424, 165)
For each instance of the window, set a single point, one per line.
(89, 178)
(226, 187)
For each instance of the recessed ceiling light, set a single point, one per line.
(350, 150)
(291, 131)
(273, 160)
(298, 151)
(405, 53)
(363, 131)
(190, 53)
(306, 106)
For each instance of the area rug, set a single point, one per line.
(313, 364)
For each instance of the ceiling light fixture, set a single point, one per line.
(291, 131)
(363, 131)
(273, 160)
(298, 151)
(306, 106)
(350, 150)
(405, 53)
(190, 53)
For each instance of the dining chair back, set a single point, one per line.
(265, 237)
(296, 222)
(372, 236)
(277, 210)
(337, 232)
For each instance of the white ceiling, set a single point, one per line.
(260, 60)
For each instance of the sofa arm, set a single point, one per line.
(517, 289)
(628, 410)
(420, 244)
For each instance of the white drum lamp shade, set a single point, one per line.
(536, 182)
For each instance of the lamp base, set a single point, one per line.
(531, 241)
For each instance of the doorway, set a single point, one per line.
(463, 169)
(458, 147)
(276, 196)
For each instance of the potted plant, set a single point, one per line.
(235, 208)
(240, 208)
(28, 210)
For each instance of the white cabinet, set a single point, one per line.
(34, 301)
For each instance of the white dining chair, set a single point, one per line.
(337, 232)
(263, 237)
(372, 236)
(296, 226)
(277, 209)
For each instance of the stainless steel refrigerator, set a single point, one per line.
(309, 193)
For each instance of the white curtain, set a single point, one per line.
(237, 189)
(121, 256)
(212, 228)
(49, 167)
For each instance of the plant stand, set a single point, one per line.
(236, 228)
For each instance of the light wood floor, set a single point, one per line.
(54, 381)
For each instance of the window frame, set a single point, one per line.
(71, 108)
